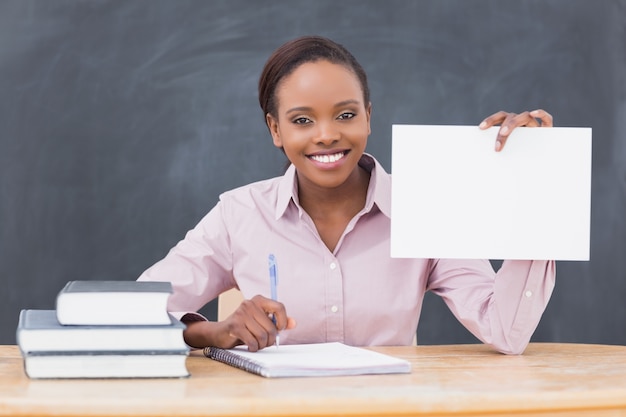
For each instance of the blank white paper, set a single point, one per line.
(453, 196)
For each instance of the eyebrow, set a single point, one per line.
(305, 108)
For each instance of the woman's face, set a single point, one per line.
(322, 123)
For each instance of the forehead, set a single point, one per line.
(320, 80)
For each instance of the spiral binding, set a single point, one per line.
(232, 359)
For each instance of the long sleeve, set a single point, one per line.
(501, 309)
(199, 266)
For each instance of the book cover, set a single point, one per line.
(45, 365)
(113, 303)
(317, 359)
(117, 286)
(39, 330)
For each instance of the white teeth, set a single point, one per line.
(326, 159)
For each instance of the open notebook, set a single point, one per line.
(318, 359)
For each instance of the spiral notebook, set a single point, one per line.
(317, 359)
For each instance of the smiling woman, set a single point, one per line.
(322, 124)
(326, 222)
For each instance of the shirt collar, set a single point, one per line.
(378, 192)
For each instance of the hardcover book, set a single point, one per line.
(113, 303)
(39, 331)
(106, 364)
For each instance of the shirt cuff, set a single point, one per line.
(189, 317)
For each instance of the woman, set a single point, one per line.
(326, 221)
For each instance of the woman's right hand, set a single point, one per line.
(249, 325)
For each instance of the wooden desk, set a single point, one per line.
(466, 380)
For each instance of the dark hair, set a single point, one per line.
(292, 54)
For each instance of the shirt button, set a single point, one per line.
(334, 309)
(333, 265)
(528, 294)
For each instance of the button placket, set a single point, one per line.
(334, 301)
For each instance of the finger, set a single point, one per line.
(511, 122)
(259, 336)
(532, 122)
(261, 325)
(240, 335)
(507, 125)
(494, 119)
(254, 335)
(280, 316)
(544, 116)
(262, 337)
(251, 324)
(273, 308)
(291, 323)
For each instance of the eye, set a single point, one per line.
(346, 115)
(301, 120)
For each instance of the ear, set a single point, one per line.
(272, 125)
(369, 117)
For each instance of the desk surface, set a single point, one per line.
(445, 380)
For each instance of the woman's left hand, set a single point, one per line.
(509, 121)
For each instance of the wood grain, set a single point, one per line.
(455, 380)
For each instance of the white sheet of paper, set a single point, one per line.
(453, 196)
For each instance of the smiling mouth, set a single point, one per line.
(328, 159)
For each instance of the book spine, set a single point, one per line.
(232, 359)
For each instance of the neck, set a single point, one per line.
(345, 200)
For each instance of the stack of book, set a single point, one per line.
(104, 329)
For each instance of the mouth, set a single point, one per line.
(328, 158)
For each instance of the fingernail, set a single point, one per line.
(504, 130)
(482, 125)
(498, 146)
(534, 113)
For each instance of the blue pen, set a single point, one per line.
(273, 284)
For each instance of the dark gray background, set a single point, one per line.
(122, 121)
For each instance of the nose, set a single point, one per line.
(327, 133)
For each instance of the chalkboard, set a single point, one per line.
(122, 121)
